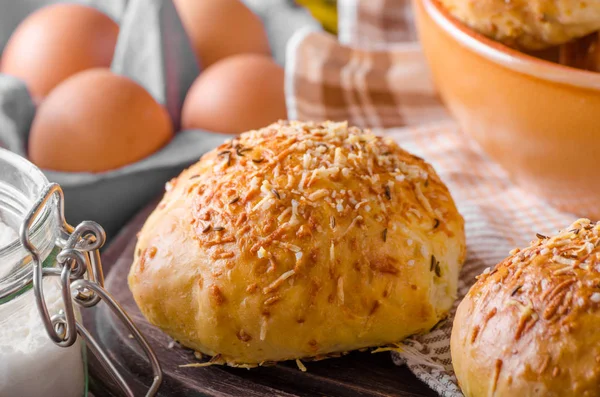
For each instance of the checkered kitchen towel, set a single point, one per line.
(386, 86)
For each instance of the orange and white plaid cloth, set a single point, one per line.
(379, 80)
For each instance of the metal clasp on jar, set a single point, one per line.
(82, 282)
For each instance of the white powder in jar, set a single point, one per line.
(30, 363)
(7, 235)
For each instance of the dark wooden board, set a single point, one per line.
(357, 374)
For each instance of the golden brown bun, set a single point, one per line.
(530, 326)
(529, 25)
(299, 240)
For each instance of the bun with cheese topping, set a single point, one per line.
(299, 240)
(529, 327)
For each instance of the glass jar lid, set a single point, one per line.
(21, 184)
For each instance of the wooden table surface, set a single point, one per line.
(357, 374)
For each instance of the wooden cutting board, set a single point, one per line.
(357, 374)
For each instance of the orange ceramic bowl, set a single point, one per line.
(539, 120)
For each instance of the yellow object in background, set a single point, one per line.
(324, 11)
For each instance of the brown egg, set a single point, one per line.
(221, 28)
(56, 42)
(97, 121)
(236, 94)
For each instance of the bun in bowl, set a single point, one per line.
(529, 25)
(299, 240)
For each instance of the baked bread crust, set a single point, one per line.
(531, 24)
(299, 240)
(529, 326)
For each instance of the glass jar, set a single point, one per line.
(46, 266)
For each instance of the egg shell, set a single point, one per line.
(97, 121)
(237, 94)
(56, 42)
(221, 28)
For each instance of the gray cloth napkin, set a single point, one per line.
(16, 113)
(154, 50)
